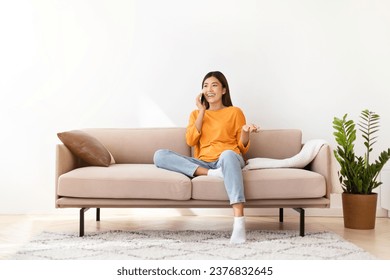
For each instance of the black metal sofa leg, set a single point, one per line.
(82, 211)
(97, 214)
(281, 215)
(82, 220)
(301, 221)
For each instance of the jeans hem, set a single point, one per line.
(236, 202)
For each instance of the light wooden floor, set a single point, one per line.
(16, 230)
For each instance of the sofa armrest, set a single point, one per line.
(322, 165)
(65, 162)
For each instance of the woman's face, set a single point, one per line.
(213, 90)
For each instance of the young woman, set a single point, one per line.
(220, 136)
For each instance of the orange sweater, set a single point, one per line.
(221, 131)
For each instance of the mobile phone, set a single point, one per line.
(203, 100)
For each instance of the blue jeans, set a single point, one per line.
(230, 162)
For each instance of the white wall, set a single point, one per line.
(74, 64)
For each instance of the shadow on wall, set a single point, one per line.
(150, 114)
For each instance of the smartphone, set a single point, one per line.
(203, 100)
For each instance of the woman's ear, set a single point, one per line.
(224, 91)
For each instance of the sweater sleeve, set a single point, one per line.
(192, 134)
(240, 122)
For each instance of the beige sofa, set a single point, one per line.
(134, 182)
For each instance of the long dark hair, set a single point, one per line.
(226, 100)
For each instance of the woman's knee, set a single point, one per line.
(231, 157)
(160, 156)
(228, 155)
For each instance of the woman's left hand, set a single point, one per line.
(251, 128)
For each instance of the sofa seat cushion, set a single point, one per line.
(126, 181)
(281, 183)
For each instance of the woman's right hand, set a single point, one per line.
(202, 109)
(201, 106)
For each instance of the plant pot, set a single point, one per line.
(359, 210)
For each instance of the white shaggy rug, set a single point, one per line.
(185, 245)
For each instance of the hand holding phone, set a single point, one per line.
(201, 101)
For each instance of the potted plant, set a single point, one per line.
(358, 175)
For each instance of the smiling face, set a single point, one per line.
(213, 90)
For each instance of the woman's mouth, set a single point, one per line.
(210, 94)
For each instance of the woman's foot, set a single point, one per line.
(239, 232)
(215, 172)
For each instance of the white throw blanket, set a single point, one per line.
(300, 160)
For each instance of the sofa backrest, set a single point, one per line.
(277, 144)
(138, 145)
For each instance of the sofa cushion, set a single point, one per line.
(286, 183)
(86, 147)
(130, 181)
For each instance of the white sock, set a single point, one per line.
(239, 232)
(215, 172)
